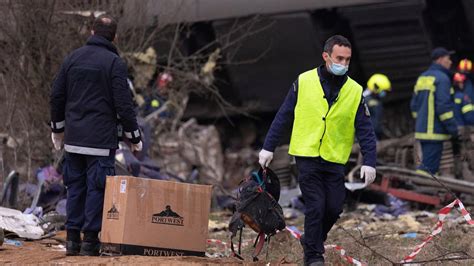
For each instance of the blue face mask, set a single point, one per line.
(337, 69)
(382, 94)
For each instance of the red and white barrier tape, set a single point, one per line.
(342, 251)
(220, 243)
(343, 255)
(439, 227)
(226, 247)
(294, 233)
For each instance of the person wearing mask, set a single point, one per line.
(432, 106)
(325, 110)
(88, 97)
(377, 87)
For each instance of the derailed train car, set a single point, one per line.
(391, 37)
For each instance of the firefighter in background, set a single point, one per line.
(464, 115)
(433, 108)
(463, 108)
(465, 68)
(159, 96)
(377, 88)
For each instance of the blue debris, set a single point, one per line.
(395, 207)
(12, 242)
(409, 235)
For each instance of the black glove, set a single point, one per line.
(456, 142)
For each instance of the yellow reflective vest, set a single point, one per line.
(320, 131)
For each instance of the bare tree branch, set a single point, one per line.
(366, 246)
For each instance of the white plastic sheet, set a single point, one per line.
(24, 225)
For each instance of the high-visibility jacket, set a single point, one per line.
(463, 109)
(432, 105)
(320, 130)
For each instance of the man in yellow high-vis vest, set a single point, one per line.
(325, 111)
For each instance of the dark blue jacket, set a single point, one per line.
(376, 111)
(468, 88)
(432, 105)
(463, 109)
(331, 85)
(88, 96)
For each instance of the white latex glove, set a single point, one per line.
(264, 158)
(369, 173)
(137, 147)
(57, 139)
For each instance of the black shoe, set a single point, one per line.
(316, 263)
(90, 248)
(72, 248)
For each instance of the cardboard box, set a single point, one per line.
(154, 218)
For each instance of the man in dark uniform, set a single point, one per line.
(432, 106)
(89, 95)
(325, 110)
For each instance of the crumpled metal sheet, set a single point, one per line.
(24, 225)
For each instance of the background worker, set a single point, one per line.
(465, 68)
(88, 95)
(325, 111)
(377, 88)
(432, 106)
(463, 108)
(464, 115)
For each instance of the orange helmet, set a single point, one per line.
(465, 66)
(459, 78)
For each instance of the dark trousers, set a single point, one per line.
(84, 178)
(323, 191)
(432, 151)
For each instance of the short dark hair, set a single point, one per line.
(105, 26)
(336, 40)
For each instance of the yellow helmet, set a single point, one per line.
(465, 66)
(379, 82)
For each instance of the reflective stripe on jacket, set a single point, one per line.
(319, 130)
(463, 109)
(88, 95)
(432, 105)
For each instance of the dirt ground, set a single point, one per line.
(384, 236)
